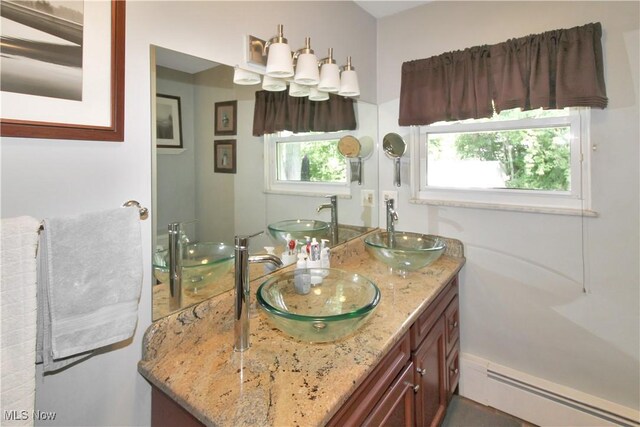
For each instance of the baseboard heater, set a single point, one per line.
(563, 400)
(537, 400)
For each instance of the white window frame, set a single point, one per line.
(577, 201)
(273, 185)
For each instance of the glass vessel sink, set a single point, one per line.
(323, 312)
(407, 251)
(202, 264)
(299, 229)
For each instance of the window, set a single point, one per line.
(515, 160)
(305, 163)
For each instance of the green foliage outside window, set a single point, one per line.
(530, 158)
(315, 161)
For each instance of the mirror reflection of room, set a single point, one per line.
(212, 181)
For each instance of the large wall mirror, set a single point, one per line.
(213, 183)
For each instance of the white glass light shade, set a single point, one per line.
(349, 84)
(307, 72)
(329, 78)
(272, 84)
(298, 90)
(316, 95)
(244, 77)
(279, 62)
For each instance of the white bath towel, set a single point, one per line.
(19, 239)
(89, 281)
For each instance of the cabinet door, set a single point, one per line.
(430, 367)
(368, 395)
(396, 408)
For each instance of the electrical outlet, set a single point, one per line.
(386, 195)
(366, 198)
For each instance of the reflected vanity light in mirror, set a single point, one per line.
(245, 77)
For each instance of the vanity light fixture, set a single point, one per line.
(279, 60)
(302, 69)
(271, 84)
(245, 77)
(349, 81)
(297, 90)
(307, 72)
(317, 95)
(329, 74)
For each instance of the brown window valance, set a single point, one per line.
(555, 69)
(277, 111)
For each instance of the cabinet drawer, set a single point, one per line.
(452, 319)
(366, 397)
(453, 369)
(397, 407)
(430, 316)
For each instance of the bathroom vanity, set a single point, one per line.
(400, 367)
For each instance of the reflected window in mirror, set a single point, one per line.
(305, 163)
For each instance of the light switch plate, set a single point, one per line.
(367, 198)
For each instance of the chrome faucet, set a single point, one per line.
(392, 217)
(177, 239)
(175, 266)
(333, 205)
(242, 290)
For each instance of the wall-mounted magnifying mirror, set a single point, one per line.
(353, 148)
(395, 147)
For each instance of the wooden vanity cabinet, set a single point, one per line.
(419, 394)
(410, 387)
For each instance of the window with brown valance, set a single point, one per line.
(555, 69)
(277, 111)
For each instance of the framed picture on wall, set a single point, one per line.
(168, 121)
(62, 74)
(225, 120)
(224, 156)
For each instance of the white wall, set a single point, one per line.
(175, 195)
(214, 191)
(522, 304)
(46, 178)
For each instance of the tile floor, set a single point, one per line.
(463, 412)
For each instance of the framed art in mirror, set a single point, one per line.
(224, 156)
(168, 121)
(225, 120)
(53, 82)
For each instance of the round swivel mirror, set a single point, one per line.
(395, 147)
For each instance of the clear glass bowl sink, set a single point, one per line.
(299, 229)
(330, 310)
(408, 252)
(202, 264)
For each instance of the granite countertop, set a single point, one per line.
(280, 381)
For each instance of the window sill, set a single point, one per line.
(307, 193)
(506, 207)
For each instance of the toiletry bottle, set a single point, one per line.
(301, 279)
(325, 254)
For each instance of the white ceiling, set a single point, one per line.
(380, 9)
